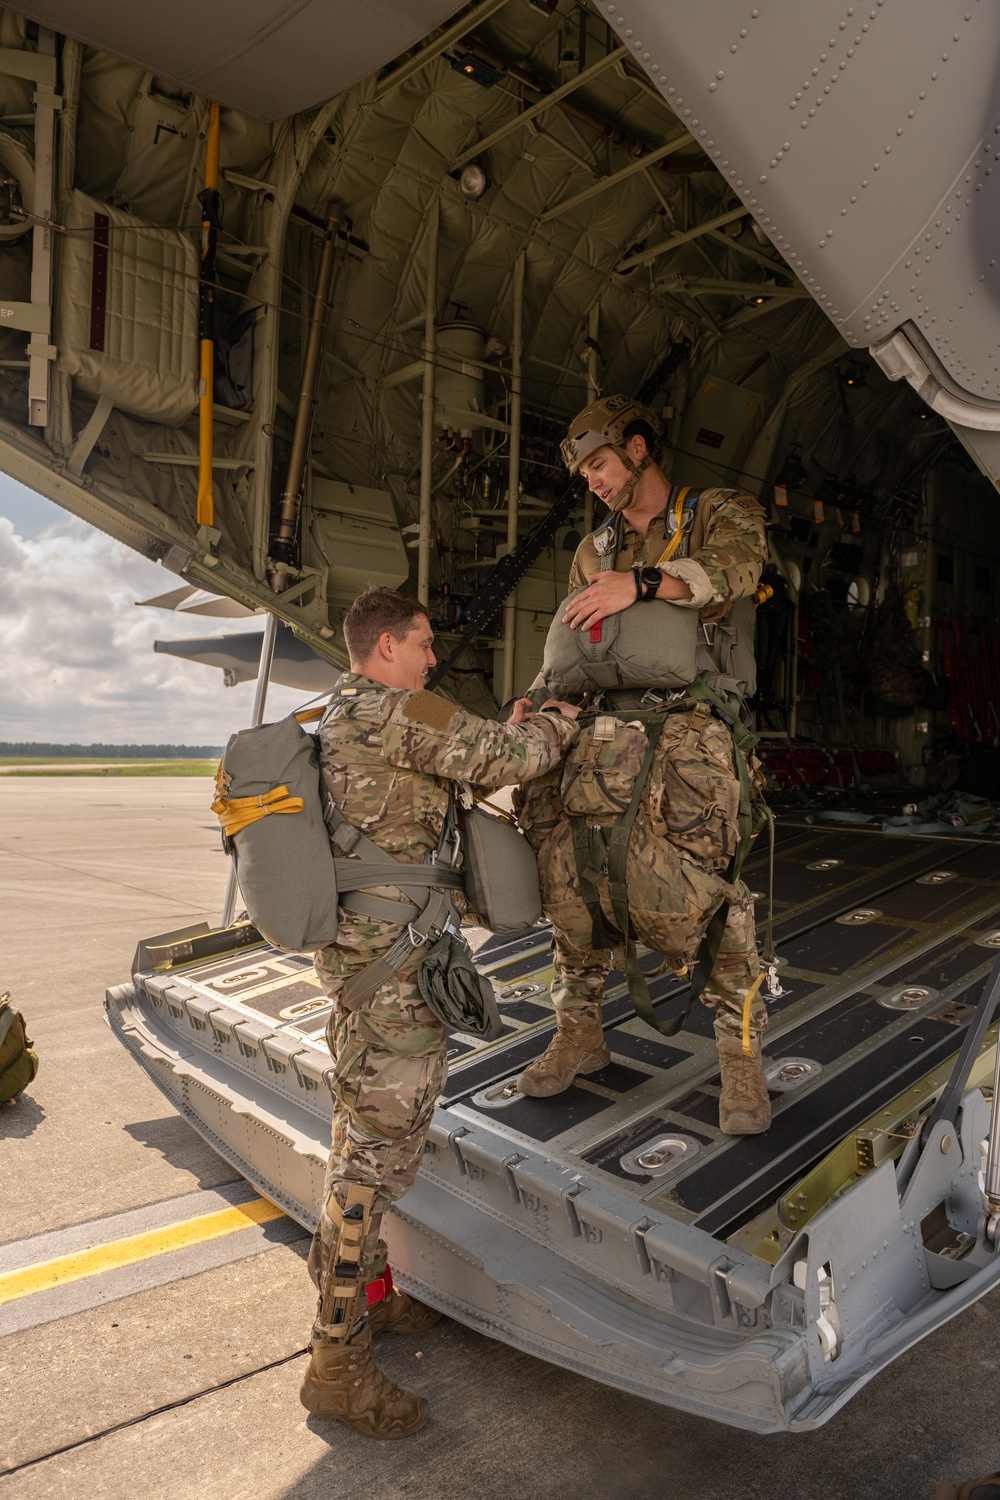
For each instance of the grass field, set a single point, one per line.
(55, 766)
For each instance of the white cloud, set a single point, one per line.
(76, 655)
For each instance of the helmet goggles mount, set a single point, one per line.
(602, 425)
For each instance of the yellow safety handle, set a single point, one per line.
(237, 813)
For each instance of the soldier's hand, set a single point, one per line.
(523, 709)
(557, 706)
(608, 594)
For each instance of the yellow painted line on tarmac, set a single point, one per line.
(48, 1274)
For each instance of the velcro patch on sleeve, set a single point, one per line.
(430, 709)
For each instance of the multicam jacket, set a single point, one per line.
(719, 557)
(388, 754)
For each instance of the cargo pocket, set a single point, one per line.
(601, 768)
(538, 808)
(697, 793)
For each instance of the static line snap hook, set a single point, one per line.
(774, 985)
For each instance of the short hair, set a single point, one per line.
(375, 611)
(642, 429)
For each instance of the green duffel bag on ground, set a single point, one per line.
(18, 1062)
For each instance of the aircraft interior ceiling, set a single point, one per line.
(499, 259)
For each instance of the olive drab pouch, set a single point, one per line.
(538, 808)
(601, 767)
(500, 872)
(18, 1062)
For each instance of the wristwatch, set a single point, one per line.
(647, 581)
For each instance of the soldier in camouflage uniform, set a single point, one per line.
(686, 827)
(388, 750)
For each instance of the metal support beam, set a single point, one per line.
(593, 391)
(587, 76)
(453, 33)
(427, 409)
(640, 165)
(750, 252)
(513, 472)
(40, 350)
(256, 718)
(682, 237)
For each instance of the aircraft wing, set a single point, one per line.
(271, 59)
(865, 140)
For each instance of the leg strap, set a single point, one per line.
(344, 1293)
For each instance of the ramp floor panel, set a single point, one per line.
(833, 975)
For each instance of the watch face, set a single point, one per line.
(651, 576)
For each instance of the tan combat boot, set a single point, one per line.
(344, 1384)
(744, 1103)
(401, 1313)
(578, 1046)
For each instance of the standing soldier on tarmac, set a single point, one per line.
(389, 750)
(703, 552)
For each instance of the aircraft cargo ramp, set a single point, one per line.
(613, 1230)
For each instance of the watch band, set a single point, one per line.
(640, 592)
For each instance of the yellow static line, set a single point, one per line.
(111, 1257)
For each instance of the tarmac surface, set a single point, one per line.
(174, 1372)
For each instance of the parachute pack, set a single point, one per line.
(285, 834)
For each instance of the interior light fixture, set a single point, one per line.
(473, 181)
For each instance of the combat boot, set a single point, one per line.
(344, 1384)
(579, 1046)
(400, 1313)
(744, 1102)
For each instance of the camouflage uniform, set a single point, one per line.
(387, 757)
(685, 829)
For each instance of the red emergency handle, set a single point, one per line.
(595, 634)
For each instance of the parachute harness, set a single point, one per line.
(598, 851)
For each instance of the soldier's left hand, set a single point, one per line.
(608, 594)
(522, 710)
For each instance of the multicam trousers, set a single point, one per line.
(683, 838)
(390, 1065)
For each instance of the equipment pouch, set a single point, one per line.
(537, 807)
(501, 873)
(694, 792)
(460, 997)
(18, 1063)
(601, 768)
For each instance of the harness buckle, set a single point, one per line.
(418, 939)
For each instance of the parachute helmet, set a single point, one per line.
(602, 424)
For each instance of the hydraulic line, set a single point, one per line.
(282, 559)
(210, 202)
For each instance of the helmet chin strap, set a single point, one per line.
(622, 499)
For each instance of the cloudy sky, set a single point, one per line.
(76, 655)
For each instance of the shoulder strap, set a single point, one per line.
(678, 536)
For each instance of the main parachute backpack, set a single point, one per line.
(18, 1061)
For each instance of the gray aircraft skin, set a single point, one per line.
(348, 355)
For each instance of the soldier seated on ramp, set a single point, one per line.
(388, 751)
(689, 801)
